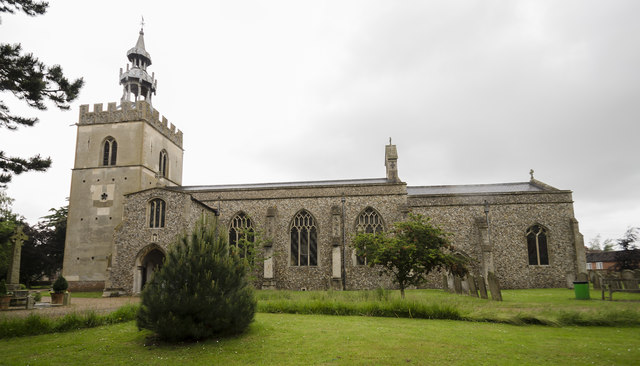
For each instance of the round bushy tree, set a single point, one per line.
(60, 285)
(201, 290)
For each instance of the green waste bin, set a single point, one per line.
(582, 290)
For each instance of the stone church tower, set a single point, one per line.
(123, 149)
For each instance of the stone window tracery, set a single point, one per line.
(304, 240)
(241, 225)
(537, 245)
(162, 164)
(156, 213)
(368, 222)
(109, 151)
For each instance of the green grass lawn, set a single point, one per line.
(289, 339)
(92, 295)
(544, 306)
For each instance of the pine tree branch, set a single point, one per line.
(29, 7)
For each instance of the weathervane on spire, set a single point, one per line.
(389, 140)
(142, 23)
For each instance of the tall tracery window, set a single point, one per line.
(109, 151)
(537, 245)
(162, 163)
(241, 225)
(369, 222)
(156, 213)
(304, 240)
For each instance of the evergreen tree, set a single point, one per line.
(28, 79)
(201, 290)
(43, 252)
(629, 256)
(9, 221)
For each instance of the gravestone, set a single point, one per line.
(66, 300)
(471, 282)
(465, 285)
(31, 302)
(457, 285)
(582, 277)
(13, 275)
(482, 287)
(450, 285)
(628, 280)
(597, 281)
(445, 282)
(494, 287)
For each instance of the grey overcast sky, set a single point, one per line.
(268, 91)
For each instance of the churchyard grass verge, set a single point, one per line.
(289, 339)
(87, 295)
(35, 324)
(555, 307)
(552, 307)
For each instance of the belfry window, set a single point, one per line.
(304, 240)
(156, 213)
(109, 151)
(537, 245)
(241, 228)
(162, 164)
(369, 222)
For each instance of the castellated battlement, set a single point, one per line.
(128, 112)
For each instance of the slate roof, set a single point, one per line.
(531, 186)
(609, 256)
(319, 183)
(475, 188)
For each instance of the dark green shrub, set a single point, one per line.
(3, 288)
(201, 290)
(37, 297)
(60, 285)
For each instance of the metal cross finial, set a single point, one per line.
(142, 23)
(531, 173)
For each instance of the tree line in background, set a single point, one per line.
(42, 251)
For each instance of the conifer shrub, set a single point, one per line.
(60, 285)
(202, 289)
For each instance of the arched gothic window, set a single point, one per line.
(369, 222)
(537, 245)
(156, 213)
(241, 225)
(162, 164)
(109, 151)
(304, 240)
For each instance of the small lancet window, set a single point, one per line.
(241, 227)
(304, 240)
(109, 151)
(162, 164)
(156, 213)
(369, 222)
(537, 245)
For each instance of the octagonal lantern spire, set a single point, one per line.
(136, 82)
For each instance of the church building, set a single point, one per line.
(127, 204)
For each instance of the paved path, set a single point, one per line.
(78, 305)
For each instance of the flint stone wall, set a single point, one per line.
(511, 214)
(133, 238)
(387, 199)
